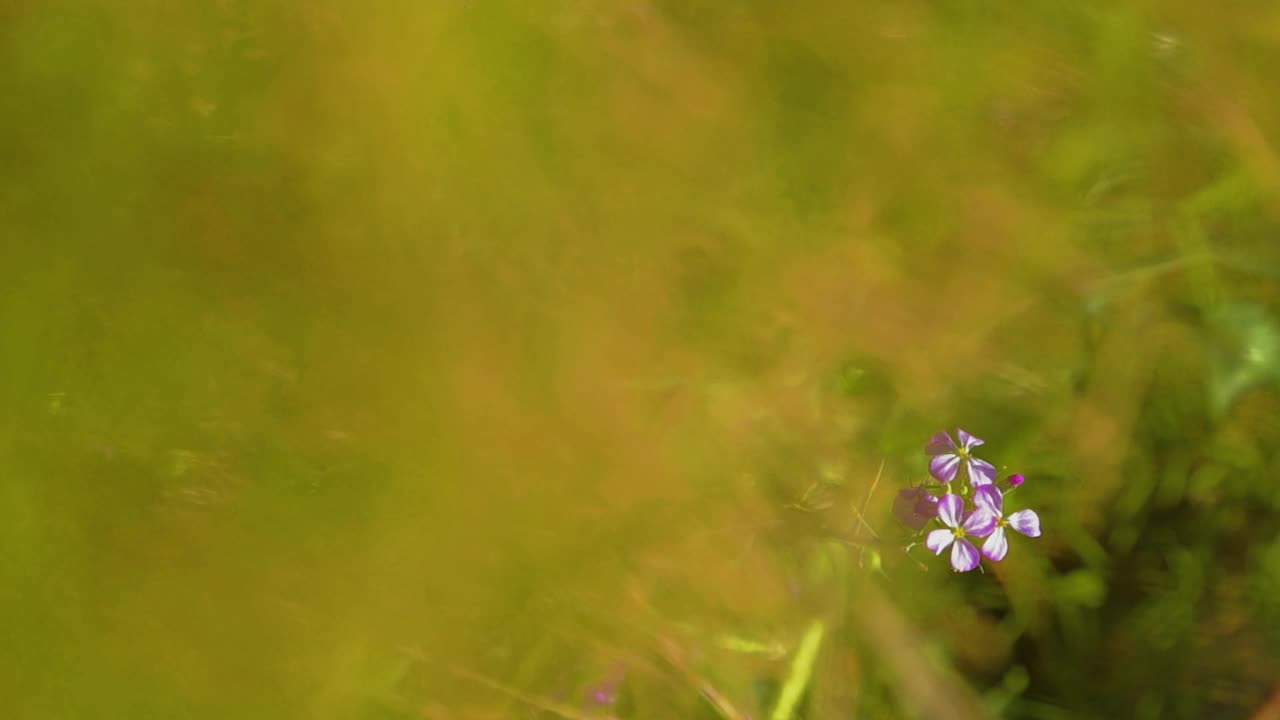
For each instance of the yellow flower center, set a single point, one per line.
(958, 532)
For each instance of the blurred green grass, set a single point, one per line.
(451, 360)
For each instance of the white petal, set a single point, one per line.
(996, 546)
(951, 510)
(981, 472)
(938, 540)
(989, 497)
(1026, 522)
(964, 556)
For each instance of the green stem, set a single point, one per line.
(801, 670)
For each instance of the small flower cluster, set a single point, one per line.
(981, 517)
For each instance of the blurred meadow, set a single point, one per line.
(478, 359)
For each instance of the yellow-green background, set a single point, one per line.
(447, 359)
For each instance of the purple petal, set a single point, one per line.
(981, 472)
(951, 510)
(988, 497)
(944, 467)
(980, 523)
(967, 440)
(996, 546)
(1026, 522)
(964, 557)
(904, 505)
(940, 444)
(938, 540)
(928, 506)
(913, 509)
(912, 493)
(1016, 480)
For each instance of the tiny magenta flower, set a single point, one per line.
(980, 522)
(1015, 480)
(946, 458)
(990, 499)
(915, 507)
(606, 692)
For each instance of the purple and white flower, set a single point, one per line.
(946, 458)
(980, 522)
(989, 499)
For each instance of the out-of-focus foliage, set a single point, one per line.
(479, 359)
